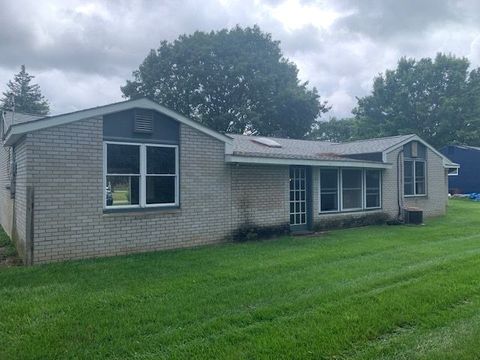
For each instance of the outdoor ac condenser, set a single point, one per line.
(413, 215)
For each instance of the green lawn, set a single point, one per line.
(389, 292)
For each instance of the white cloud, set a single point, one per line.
(82, 51)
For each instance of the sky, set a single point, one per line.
(81, 52)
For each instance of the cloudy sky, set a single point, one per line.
(83, 51)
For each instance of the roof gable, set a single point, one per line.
(18, 130)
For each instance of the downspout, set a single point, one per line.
(399, 184)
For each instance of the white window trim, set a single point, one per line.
(414, 177)
(340, 191)
(143, 176)
(454, 173)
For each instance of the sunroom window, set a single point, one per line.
(329, 190)
(351, 189)
(372, 189)
(140, 175)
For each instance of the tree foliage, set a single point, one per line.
(335, 130)
(439, 100)
(23, 96)
(230, 80)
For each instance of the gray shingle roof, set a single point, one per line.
(309, 149)
(370, 145)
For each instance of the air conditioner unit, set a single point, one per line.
(413, 215)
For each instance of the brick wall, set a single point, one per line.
(14, 208)
(260, 195)
(69, 221)
(6, 203)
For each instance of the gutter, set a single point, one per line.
(289, 161)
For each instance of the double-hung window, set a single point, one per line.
(372, 189)
(414, 177)
(140, 175)
(351, 189)
(329, 190)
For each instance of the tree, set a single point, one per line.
(335, 130)
(230, 80)
(439, 100)
(24, 96)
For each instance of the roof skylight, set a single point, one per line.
(267, 142)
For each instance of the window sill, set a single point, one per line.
(142, 211)
(415, 196)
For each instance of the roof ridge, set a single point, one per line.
(282, 138)
(370, 139)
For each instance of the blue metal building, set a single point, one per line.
(468, 178)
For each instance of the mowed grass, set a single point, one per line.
(386, 292)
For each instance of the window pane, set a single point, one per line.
(408, 177)
(408, 168)
(329, 202)
(123, 159)
(372, 200)
(419, 177)
(408, 188)
(122, 190)
(352, 179)
(160, 189)
(372, 179)
(420, 187)
(160, 160)
(419, 168)
(352, 199)
(328, 179)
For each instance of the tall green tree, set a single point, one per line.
(335, 130)
(23, 96)
(233, 80)
(438, 99)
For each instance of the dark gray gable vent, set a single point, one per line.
(143, 121)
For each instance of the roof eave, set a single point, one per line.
(289, 161)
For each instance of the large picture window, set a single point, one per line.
(414, 177)
(350, 189)
(140, 175)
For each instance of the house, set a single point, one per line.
(135, 176)
(467, 180)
